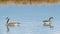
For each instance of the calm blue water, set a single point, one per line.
(31, 18)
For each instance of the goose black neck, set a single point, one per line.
(7, 20)
(50, 18)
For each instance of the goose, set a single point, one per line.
(11, 24)
(48, 22)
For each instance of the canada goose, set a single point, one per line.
(11, 24)
(48, 22)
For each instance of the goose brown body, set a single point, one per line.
(47, 23)
(12, 24)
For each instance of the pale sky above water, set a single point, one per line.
(31, 18)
